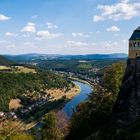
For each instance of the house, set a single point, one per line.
(2, 114)
(134, 44)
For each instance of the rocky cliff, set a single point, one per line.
(127, 107)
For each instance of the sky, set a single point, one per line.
(67, 26)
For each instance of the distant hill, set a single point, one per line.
(35, 57)
(5, 61)
(95, 56)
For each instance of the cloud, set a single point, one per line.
(79, 34)
(77, 44)
(34, 16)
(90, 46)
(4, 42)
(124, 10)
(103, 47)
(10, 34)
(29, 44)
(11, 46)
(29, 28)
(113, 29)
(51, 25)
(47, 35)
(3, 17)
(97, 18)
(109, 44)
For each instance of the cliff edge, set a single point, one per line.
(127, 107)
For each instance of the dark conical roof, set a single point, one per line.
(136, 34)
(138, 29)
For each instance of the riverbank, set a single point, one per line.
(86, 89)
(72, 100)
(57, 94)
(70, 95)
(65, 110)
(82, 81)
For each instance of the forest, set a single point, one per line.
(13, 85)
(77, 66)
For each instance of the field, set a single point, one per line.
(59, 93)
(5, 68)
(14, 104)
(17, 69)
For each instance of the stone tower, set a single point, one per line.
(134, 44)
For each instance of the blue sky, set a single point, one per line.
(67, 26)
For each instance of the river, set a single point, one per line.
(68, 107)
(85, 91)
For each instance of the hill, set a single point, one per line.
(16, 85)
(35, 57)
(5, 61)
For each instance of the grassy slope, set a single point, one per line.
(4, 61)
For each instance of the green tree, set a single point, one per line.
(50, 130)
(113, 77)
(95, 114)
(91, 116)
(21, 137)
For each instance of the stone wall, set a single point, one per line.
(134, 48)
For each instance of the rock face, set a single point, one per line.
(127, 107)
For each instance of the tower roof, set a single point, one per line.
(138, 29)
(136, 34)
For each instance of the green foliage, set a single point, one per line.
(113, 77)
(21, 137)
(76, 66)
(50, 130)
(13, 85)
(91, 115)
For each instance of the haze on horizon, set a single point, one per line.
(67, 26)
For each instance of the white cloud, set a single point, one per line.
(47, 35)
(103, 47)
(97, 18)
(34, 16)
(89, 45)
(11, 46)
(3, 17)
(113, 29)
(51, 25)
(4, 42)
(109, 44)
(28, 44)
(79, 34)
(29, 28)
(10, 34)
(77, 44)
(123, 10)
